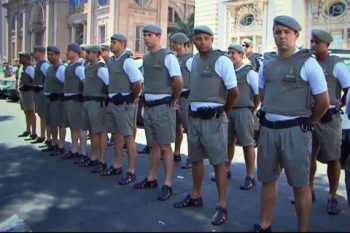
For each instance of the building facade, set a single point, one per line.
(59, 22)
(235, 20)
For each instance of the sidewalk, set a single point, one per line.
(52, 194)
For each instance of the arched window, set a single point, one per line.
(143, 3)
(247, 19)
(335, 9)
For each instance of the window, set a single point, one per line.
(139, 41)
(348, 33)
(102, 33)
(20, 20)
(247, 20)
(336, 9)
(143, 3)
(13, 23)
(173, 16)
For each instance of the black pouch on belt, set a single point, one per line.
(327, 117)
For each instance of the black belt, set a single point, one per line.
(122, 99)
(303, 122)
(207, 113)
(154, 103)
(38, 89)
(76, 97)
(94, 98)
(185, 94)
(26, 88)
(55, 96)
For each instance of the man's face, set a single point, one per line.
(247, 48)
(235, 56)
(91, 56)
(175, 46)
(23, 60)
(105, 54)
(116, 46)
(70, 54)
(53, 57)
(151, 39)
(203, 42)
(318, 46)
(285, 38)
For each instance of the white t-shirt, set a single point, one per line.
(30, 71)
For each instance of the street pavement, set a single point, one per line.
(51, 194)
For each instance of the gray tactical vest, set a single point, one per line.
(286, 93)
(253, 58)
(118, 79)
(25, 79)
(39, 76)
(72, 83)
(184, 71)
(333, 84)
(52, 84)
(94, 86)
(246, 95)
(156, 76)
(206, 85)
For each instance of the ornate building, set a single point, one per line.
(34, 22)
(235, 20)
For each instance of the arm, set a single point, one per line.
(232, 96)
(320, 107)
(136, 90)
(343, 98)
(177, 83)
(256, 102)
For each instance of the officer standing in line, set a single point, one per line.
(213, 94)
(162, 87)
(254, 58)
(26, 91)
(95, 95)
(105, 52)
(73, 102)
(39, 98)
(327, 133)
(241, 124)
(82, 55)
(124, 89)
(53, 89)
(179, 43)
(288, 81)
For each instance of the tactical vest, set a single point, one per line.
(286, 93)
(25, 79)
(246, 95)
(333, 84)
(72, 82)
(253, 58)
(52, 84)
(206, 85)
(156, 76)
(118, 78)
(184, 70)
(39, 76)
(94, 86)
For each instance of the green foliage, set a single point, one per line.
(185, 27)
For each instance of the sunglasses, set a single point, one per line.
(314, 41)
(244, 45)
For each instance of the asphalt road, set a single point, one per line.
(51, 194)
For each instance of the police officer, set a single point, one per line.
(105, 52)
(213, 94)
(253, 58)
(27, 94)
(285, 139)
(73, 102)
(179, 44)
(124, 90)
(241, 124)
(327, 133)
(95, 95)
(39, 98)
(161, 94)
(53, 89)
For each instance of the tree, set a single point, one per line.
(185, 27)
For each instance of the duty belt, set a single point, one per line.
(154, 103)
(38, 89)
(76, 97)
(185, 94)
(303, 122)
(55, 96)
(26, 88)
(207, 113)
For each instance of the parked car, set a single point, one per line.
(9, 87)
(2, 76)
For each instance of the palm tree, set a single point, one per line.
(185, 27)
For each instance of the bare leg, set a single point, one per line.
(167, 152)
(118, 149)
(178, 139)
(197, 177)
(154, 156)
(62, 132)
(303, 206)
(221, 183)
(103, 146)
(249, 157)
(83, 141)
(269, 195)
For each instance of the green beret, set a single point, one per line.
(152, 28)
(53, 48)
(82, 46)
(179, 38)
(74, 47)
(247, 42)
(322, 35)
(105, 47)
(119, 36)
(25, 54)
(39, 48)
(95, 48)
(236, 47)
(203, 29)
(288, 22)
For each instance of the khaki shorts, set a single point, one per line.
(74, 114)
(241, 127)
(55, 116)
(182, 113)
(207, 139)
(327, 139)
(40, 104)
(95, 116)
(121, 118)
(27, 100)
(288, 148)
(159, 123)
